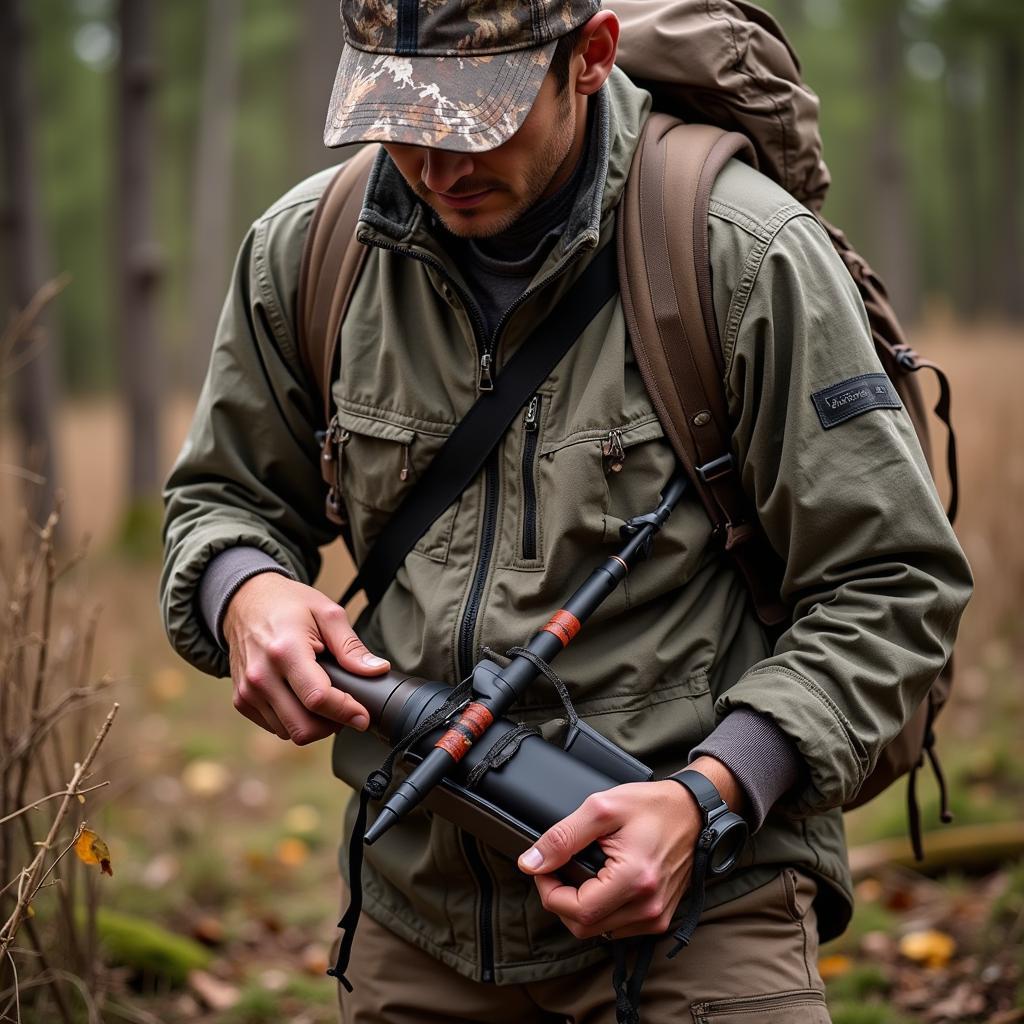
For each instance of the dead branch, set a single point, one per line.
(53, 796)
(34, 874)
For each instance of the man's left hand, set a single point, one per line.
(647, 831)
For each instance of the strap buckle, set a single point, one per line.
(716, 468)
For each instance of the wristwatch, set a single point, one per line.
(723, 833)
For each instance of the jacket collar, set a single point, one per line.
(393, 217)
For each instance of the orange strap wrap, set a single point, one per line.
(563, 625)
(472, 724)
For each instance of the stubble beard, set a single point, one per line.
(474, 223)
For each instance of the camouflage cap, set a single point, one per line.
(449, 74)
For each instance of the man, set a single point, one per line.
(507, 136)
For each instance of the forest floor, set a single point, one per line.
(223, 834)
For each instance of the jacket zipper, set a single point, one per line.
(465, 649)
(531, 426)
(487, 536)
(486, 919)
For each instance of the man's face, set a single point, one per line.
(481, 194)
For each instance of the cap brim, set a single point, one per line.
(466, 104)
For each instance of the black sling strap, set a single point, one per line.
(480, 431)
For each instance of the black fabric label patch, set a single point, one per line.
(849, 398)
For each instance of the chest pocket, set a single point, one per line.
(380, 459)
(594, 480)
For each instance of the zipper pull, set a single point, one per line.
(406, 469)
(611, 448)
(530, 419)
(328, 439)
(486, 381)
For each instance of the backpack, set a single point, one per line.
(732, 83)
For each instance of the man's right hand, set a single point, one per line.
(275, 627)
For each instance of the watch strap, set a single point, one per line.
(704, 791)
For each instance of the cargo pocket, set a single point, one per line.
(379, 461)
(800, 1006)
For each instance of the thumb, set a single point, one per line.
(351, 653)
(567, 837)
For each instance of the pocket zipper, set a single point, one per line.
(531, 428)
(613, 450)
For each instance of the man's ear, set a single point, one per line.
(595, 53)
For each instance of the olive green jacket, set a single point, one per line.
(873, 572)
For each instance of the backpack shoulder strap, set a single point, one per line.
(331, 262)
(665, 283)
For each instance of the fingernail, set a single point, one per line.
(532, 859)
(360, 722)
(372, 661)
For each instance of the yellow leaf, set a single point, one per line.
(92, 850)
(30, 911)
(931, 948)
(81, 799)
(834, 966)
(292, 853)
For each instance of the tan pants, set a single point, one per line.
(752, 960)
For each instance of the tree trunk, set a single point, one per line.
(971, 264)
(895, 248)
(138, 258)
(211, 221)
(27, 262)
(1010, 247)
(321, 50)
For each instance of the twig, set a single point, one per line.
(24, 474)
(63, 853)
(53, 796)
(35, 869)
(17, 994)
(22, 323)
(49, 717)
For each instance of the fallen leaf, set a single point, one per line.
(314, 960)
(292, 853)
(931, 948)
(214, 993)
(205, 778)
(834, 966)
(92, 850)
(302, 818)
(208, 930)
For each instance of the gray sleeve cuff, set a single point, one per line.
(222, 577)
(760, 755)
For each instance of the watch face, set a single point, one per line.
(732, 836)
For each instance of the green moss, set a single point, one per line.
(156, 954)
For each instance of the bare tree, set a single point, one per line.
(212, 186)
(895, 250)
(321, 48)
(32, 381)
(1010, 79)
(138, 257)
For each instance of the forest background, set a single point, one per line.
(138, 141)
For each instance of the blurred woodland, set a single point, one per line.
(138, 140)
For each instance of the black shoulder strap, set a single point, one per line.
(477, 435)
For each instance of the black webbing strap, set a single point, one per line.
(482, 428)
(628, 986)
(374, 788)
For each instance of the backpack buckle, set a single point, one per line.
(716, 468)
